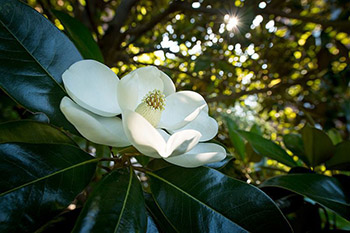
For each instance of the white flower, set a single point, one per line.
(156, 120)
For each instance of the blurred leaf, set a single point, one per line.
(34, 54)
(236, 139)
(252, 156)
(335, 136)
(324, 190)
(295, 144)
(268, 148)
(32, 132)
(256, 129)
(40, 182)
(143, 159)
(341, 157)
(205, 200)
(318, 146)
(115, 205)
(202, 63)
(80, 35)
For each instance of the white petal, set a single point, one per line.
(181, 108)
(93, 86)
(102, 130)
(142, 135)
(169, 87)
(201, 154)
(181, 142)
(134, 86)
(205, 124)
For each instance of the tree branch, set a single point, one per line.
(139, 31)
(113, 38)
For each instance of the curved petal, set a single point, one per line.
(181, 108)
(201, 154)
(142, 135)
(169, 87)
(134, 86)
(93, 86)
(102, 130)
(205, 124)
(181, 142)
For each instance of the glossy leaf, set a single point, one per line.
(115, 205)
(341, 157)
(161, 220)
(205, 200)
(325, 190)
(33, 56)
(41, 180)
(318, 146)
(32, 132)
(80, 35)
(151, 226)
(268, 148)
(295, 144)
(236, 140)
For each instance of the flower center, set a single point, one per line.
(152, 106)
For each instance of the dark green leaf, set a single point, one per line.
(158, 216)
(32, 132)
(295, 144)
(205, 200)
(341, 157)
(268, 148)
(33, 56)
(115, 205)
(151, 226)
(80, 35)
(41, 180)
(318, 146)
(325, 190)
(236, 139)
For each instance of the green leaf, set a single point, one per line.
(32, 132)
(236, 139)
(295, 144)
(324, 190)
(41, 181)
(115, 205)
(318, 146)
(256, 129)
(341, 157)
(267, 148)
(158, 216)
(335, 136)
(205, 200)
(33, 56)
(151, 226)
(252, 156)
(80, 35)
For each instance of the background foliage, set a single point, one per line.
(277, 82)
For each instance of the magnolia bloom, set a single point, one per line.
(156, 120)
